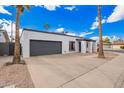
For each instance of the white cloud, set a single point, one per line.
(7, 26)
(4, 11)
(95, 38)
(70, 8)
(117, 14)
(95, 23)
(83, 34)
(60, 30)
(51, 7)
(72, 34)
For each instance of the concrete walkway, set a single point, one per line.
(76, 71)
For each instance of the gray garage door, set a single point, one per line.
(38, 47)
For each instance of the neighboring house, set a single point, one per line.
(117, 44)
(4, 36)
(35, 43)
(107, 45)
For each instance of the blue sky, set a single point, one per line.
(76, 20)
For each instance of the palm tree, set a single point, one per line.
(100, 52)
(46, 26)
(19, 10)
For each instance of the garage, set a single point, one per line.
(40, 47)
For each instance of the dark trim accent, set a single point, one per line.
(79, 46)
(2, 30)
(45, 40)
(84, 39)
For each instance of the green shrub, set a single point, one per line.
(122, 47)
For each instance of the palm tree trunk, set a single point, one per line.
(100, 52)
(16, 58)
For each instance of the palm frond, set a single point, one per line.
(21, 9)
(28, 7)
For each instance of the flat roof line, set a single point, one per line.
(49, 32)
(80, 38)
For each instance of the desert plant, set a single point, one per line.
(122, 47)
(46, 26)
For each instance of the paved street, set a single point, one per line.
(118, 51)
(76, 71)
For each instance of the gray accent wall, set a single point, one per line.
(6, 49)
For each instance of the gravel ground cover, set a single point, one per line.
(16, 76)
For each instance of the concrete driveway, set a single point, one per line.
(59, 70)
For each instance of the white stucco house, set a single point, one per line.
(35, 43)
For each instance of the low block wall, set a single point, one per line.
(6, 49)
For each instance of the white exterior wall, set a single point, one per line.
(83, 47)
(32, 35)
(90, 47)
(2, 38)
(94, 47)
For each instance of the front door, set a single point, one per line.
(79, 46)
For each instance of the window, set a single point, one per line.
(71, 46)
